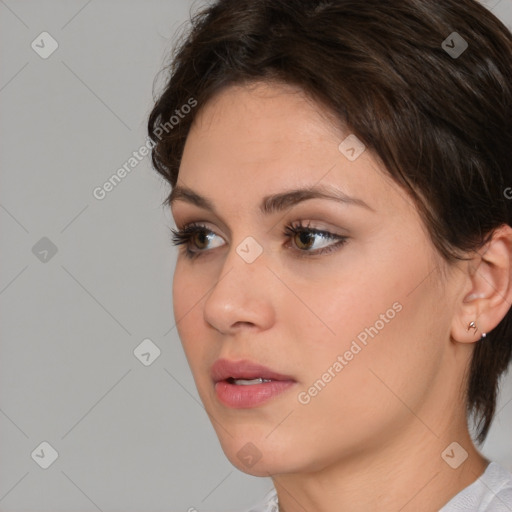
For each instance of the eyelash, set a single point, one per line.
(184, 237)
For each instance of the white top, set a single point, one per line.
(491, 492)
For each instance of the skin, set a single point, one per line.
(372, 438)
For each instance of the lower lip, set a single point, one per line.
(244, 397)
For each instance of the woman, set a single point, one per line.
(339, 174)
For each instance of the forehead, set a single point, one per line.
(269, 114)
(253, 140)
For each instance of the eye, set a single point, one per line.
(192, 234)
(195, 238)
(304, 238)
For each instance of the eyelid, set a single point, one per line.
(194, 214)
(321, 225)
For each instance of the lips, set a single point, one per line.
(224, 369)
(246, 384)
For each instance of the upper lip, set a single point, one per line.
(224, 369)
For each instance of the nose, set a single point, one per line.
(240, 298)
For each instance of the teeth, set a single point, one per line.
(244, 382)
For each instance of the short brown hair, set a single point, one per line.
(440, 123)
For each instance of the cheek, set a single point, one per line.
(345, 300)
(187, 298)
(182, 291)
(379, 318)
(190, 287)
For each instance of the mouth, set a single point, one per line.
(245, 384)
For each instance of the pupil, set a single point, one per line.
(304, 239)
(203, 238)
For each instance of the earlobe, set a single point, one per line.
(468, 332)
(472, 326)
(489, 279)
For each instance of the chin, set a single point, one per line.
(269, 464)
(258, 456)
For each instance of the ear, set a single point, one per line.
(487, 294)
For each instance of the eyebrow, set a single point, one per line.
(275, 202)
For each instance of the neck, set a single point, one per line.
(412, 479)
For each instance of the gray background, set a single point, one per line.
(129, 437)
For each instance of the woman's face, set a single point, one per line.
(354, 338)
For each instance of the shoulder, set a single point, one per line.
(491, 492)
(267, 504)
(499, 489)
